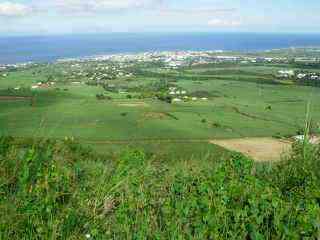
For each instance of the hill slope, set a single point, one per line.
(60, 190)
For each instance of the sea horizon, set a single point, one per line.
(49, 48)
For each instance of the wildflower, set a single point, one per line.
(88, 236)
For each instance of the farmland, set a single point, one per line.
(138, 150)
(221, 101)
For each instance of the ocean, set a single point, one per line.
(50, 48)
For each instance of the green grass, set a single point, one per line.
(147, 171)
(241, 104)
(79, 114)
(60, 190)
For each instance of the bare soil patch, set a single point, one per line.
(133, 104)
(259, 149)
(315, 139)
(154, 115)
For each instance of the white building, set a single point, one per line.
(286, 73)
(301, 75)
(176, 100)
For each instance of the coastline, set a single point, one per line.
(169, 56)
(48, 49)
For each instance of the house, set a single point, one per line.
(286, 73)
(176, 100)
(42, 85)
(314, 77)
(301, 75)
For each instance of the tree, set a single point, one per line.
(50, 78)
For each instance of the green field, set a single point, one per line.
(89, 153)
(244, 100)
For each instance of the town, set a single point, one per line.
(113, 72)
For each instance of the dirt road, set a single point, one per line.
(4, 98)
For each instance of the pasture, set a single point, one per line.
(242, 101)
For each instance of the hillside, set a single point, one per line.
(58, 189)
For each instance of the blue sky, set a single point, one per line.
(103, 16)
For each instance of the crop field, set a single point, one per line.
(233, 101)
(135, 150)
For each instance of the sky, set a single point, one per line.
(45, 17)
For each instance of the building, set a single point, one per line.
(176, 100)
(286, 73)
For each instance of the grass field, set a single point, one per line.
(83, 157)
(243, 101)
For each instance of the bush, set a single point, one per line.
(164, 97)
(216, 125)
(100, 97)
(58, 189)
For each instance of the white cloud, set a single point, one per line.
(224, 23)
(9, 9)
(104, 5)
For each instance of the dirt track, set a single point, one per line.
(4, 98)
(133, 104)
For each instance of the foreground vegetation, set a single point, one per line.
(61, 190)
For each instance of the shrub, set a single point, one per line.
(100, 96)
(216, 125)
(39, 185)
(61, 190)
(164, 98)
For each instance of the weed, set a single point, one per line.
(60, 190)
